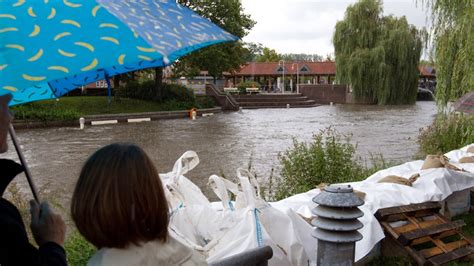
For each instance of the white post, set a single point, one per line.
(282, 62)
(283, 76)
(82, 121)
(297, 78)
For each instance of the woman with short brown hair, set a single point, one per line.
(119, 206)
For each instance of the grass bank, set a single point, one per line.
(73, 107)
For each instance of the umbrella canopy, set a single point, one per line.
(50, 47)
(465, 104)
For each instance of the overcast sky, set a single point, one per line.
(307, 26)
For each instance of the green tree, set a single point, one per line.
(378, 56)
(453, 36)
(302, 57)
(254, 50)
(222, 57)
(268, 55)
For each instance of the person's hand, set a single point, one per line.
(46, 226)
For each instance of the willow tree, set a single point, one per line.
(378, 56)
(453, 36)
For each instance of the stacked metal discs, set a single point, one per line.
(337, 224)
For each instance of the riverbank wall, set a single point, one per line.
(325, 94)
(119, 118)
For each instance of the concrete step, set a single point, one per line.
(277, 106)
(268, 95)
(291, 103)
(272, 99)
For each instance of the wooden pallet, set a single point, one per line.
(427, 236)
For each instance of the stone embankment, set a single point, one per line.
(115, 118)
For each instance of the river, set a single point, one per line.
(223, 141)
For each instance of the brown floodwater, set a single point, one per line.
(224, 141)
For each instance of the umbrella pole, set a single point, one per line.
(23, 163)
(109, 90)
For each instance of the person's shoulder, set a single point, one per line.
(171, 252)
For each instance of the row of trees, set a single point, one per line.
(453, 36)
(223, 57)
(378, 56)
(258, 53)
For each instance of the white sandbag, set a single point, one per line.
(247, 233)
(220, 186)
(198, 223)
(180, 190)
(247, 230)
(285, 231)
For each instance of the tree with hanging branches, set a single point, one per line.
(378, 56)
(453, 46)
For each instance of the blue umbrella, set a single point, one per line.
(50, 47)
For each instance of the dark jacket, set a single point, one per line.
(15, 248)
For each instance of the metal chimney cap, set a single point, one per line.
(338, 196)
(339, 189)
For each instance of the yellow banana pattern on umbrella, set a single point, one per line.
(49, 47)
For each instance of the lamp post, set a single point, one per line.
(282, 62)
(297, 76)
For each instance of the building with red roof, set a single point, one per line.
(271, 74)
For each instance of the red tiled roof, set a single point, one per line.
(314, 68)
(271, 68)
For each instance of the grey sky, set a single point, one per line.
(307, 26)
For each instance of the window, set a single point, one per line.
(304, 69)
(280, 69)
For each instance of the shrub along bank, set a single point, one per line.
(447, 132)
(131, 99)
(328, 158)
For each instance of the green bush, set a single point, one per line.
(78, 250)
(329, 158)
(38, 112)
(246, 84)
(145, 91)
(178, 93)
(136, 90)
(205, 102)
(446, 133)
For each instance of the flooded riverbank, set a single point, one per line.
(224, 141)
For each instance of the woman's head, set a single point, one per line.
(119, 199)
